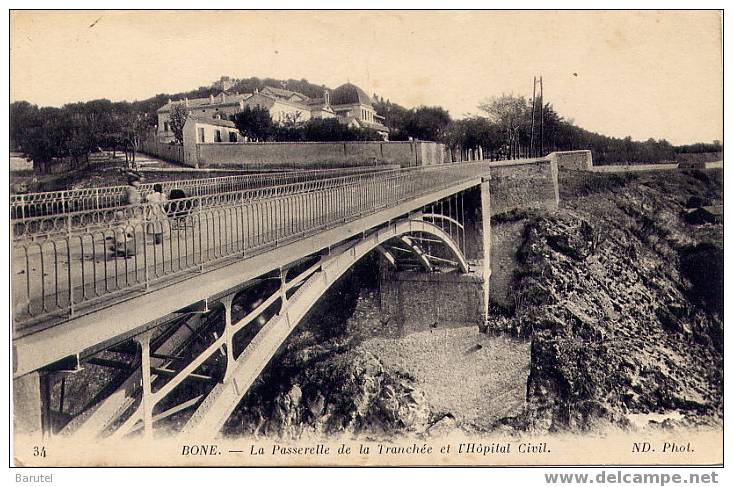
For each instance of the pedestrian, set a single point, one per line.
(128, 235)
(156, 213)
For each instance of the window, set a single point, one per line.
(202, 137)
(232, 136)
(166, 127)
(217, 136)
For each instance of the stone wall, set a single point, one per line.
(170, 152)
(523, 184)
(420, 301)
(578, 160)
(506, 237)
(277, 155)
(28, 419)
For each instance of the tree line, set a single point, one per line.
(75, 130)
(256, 124)
(509, 126)
(72, 132)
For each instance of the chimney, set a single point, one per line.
(211, 99)
(241, 105)
(223, 97)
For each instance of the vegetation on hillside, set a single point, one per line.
(622, 298)
(506, 128)
(257, 125)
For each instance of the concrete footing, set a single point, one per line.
(30, 414)
(419, 301)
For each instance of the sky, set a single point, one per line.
(647, 74)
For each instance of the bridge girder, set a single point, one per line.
(242, 370)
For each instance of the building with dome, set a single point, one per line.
(355, 108)
(348, 103)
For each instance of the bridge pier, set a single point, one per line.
(31, 404)
(147, 395)
(421, 301)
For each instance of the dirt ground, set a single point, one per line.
(474, 377)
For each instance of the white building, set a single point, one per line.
(348, 103)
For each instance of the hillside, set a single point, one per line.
(244, 85)
(618, 296)
(622, 298)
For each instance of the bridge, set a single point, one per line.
(241, 261)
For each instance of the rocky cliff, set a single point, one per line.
(623, 301)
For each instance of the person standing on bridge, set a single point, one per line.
(128, 236)
(156, 213)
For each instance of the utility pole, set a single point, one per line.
(542, 120)
(531, 137)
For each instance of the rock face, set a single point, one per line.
(611, 290)
(321, 384)
(344, 393)
(620, 296)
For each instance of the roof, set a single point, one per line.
(348, 94)
(277, 99)
(206, 102)
(315, 101)
(213, 121)
(283, 93)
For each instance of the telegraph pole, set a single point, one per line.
(542, 120)
(531, 137)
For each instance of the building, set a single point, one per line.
(222, 107)
(225, 83)
(206, 130)
(355, 108)
(282, 109)
(348, 103)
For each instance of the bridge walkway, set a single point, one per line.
(75, 306)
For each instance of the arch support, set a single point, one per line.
(216, 408)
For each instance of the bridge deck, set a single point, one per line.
(66, 302)
(68, 201)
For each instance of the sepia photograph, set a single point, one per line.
(366, 238)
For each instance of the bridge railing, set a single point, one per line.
(72, 201)
(44, 227)
(69, 274)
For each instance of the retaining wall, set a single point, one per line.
(275, 155)
(523, 184)
(578, 160)
(506, 237)
(419, 301)
(169, 152)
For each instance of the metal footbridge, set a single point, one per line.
(286, 238)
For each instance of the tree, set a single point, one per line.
(178, 117)
(510, 113)
(427, 123)
(395, 117)
(254, 123)
(134, 127)
(22, 117)
(472, 133)
(321, 130)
